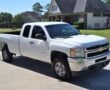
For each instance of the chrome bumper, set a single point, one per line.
(81, 64)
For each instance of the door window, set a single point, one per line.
(37, 30)
(26, 31)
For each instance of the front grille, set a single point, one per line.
(97, 53)
(102, 59)
(97, 46)
(97, 50)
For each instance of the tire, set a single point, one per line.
(7, 56)
(61, 69)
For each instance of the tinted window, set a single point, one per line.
(96, 15)
(61, 31)
(37, 30)
(26, 31)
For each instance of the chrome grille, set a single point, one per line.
(97, 50)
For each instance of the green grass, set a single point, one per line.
(104, 32)
(2, 30)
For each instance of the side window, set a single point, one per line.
(37, 30)
(26, 31)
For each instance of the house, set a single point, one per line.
(31, 16)
(92, 13)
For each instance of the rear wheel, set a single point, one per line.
(7, 56)
(61, 69)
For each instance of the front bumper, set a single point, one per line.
(82, 64)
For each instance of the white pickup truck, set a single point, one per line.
(60, 44)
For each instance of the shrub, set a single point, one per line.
(79, 25)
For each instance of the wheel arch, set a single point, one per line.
(3, 44)
(60, 55)
(55, 54)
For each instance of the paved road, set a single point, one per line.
(28, 74)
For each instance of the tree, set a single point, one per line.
(5, 19)
(47, 6)
(107, 1)
(45, 16)
(18, 20)
(38, 8)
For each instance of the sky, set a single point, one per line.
(17, 6)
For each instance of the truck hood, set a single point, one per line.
(83, 40)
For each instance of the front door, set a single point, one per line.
(39, 48)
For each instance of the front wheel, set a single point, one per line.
(61, 69)
(7, 56)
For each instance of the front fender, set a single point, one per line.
(61, 48)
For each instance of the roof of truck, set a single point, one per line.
(45, 23)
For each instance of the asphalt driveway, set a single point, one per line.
(28, 74)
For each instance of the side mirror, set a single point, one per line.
(41, 37)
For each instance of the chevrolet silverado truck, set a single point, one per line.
(60, 44)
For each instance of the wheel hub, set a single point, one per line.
(5, 54)
(60, 69)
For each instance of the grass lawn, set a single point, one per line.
(104, 32)
(2, 30)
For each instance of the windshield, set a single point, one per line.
(61, 31)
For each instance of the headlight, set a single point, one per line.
(78, 52)
(72, 52)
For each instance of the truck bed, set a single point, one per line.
(11, 40)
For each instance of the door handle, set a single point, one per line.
(31, 42)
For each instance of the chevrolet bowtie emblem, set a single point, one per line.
(100, 49)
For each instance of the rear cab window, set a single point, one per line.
(26, 31)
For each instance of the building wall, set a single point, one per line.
(96, 21)
(54, 9)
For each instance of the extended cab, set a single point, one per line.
(60, 44)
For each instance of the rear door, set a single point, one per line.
(25, 41)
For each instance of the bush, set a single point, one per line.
(18, 21)
(79, 25)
